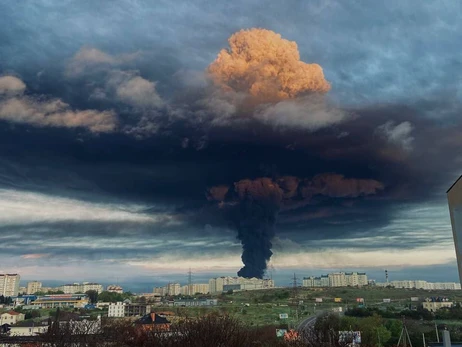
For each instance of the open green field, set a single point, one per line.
(262, 307)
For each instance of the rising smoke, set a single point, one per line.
(266, 72)
(253, 206)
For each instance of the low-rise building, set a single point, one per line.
(11, 317)
(61, 300)
(434, 304)
(126, 309)
(192, 302)
(29, 328)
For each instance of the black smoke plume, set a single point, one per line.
(255, 218)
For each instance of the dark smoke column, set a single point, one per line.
(255, 217)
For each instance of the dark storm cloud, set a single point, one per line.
(391, 117)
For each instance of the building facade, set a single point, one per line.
(217, 285)
(61, 301)
(173, 289)
(9, 284)
(75, 288)
(337, 279)
(33, 287)
(125, 309)
(11, 317)
(454, 195)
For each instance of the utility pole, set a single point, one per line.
(437, 335)
(404, 336)
(294, 293)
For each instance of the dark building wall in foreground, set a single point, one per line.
(455, 209)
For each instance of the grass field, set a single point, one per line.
(262, 307)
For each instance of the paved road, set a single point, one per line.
(307, 323)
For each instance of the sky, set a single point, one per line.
(139, 139)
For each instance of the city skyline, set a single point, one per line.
(249, 138)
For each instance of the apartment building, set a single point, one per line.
(9, 284)
(126, 309)
(75, 288)
(191, 289)
(162, 291)
(33, 287)
(420, 284)
(337, 279)
(173, 289)
(218, 284)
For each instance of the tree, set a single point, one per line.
(92, 295)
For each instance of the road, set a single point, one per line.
(307, 323)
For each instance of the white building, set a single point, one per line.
(435, 305)
(33, 287)
(116, 309)
(173, 289)
(9, 284)
(337, 279)
(218, 284)
(75, 288)
(92, 286)
(29, 328)
(126, 309)
(191, 289)
(11, 317)
(162, 291)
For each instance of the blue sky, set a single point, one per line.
(111, 133)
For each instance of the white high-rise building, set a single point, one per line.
(75, 288)
(337, 279)
(9, 284)
(455, 210)
(173, 289)
(33, 287)
(191, 289)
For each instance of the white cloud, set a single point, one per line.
(55, 113)
(399, 134)
(88, 58)
(311, 113)
(134, 90)
(11, 85)
(19, 207)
